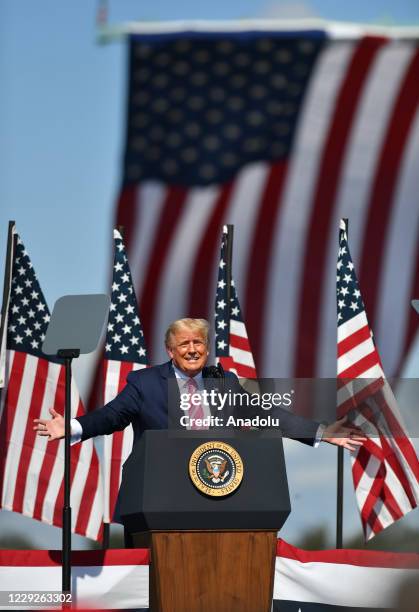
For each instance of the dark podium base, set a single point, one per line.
(207, 554)
(212, 571)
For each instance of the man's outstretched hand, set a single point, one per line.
(53, 428)
(344, 434)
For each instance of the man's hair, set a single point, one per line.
(200, 325)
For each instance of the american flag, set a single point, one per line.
(31, 469)
(124, 351)
(232, 348)
(385, 469)
(280, 133)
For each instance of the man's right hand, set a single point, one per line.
(53, 428)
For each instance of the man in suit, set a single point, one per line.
(144, 401)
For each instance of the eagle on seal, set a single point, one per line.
(216, 470)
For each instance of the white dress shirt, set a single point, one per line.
(182, 379)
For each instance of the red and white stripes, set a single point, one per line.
(385, 469)
(348, 160)
(347, 579)
(240, 359)
(31, 470)
(117, 446)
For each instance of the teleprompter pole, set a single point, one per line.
(68, 355)
(76, 321)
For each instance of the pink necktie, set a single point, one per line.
(196, 411)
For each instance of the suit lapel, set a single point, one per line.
(172, 395)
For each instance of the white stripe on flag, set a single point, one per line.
(81, 474)
(145, 229)
(238, 328)
(339, 584)
(248, 189)
(350, 327)
(100, 587)
(383, 514)
(113, 369)
(398, 492)
(404, 226)
(175, 281)
(292, 227)
(358, 352)
(366, 141)
(18, 431)
(363, 489)
(40, 443)
(8, 367)
(96, 515)
(242, 357)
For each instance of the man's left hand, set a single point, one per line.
(342, 433)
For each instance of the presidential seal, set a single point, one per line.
(216, 469)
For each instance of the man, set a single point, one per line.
(144, 401)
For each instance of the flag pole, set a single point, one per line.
(11, 238)
(340, 475)
(107, 33)
(339, 499)
(229, 250)
(102, 14)
(106, 535)
(107, 526)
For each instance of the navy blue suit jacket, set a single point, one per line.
(144, 401)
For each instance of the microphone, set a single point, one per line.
(214, 371)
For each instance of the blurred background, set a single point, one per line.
(62, 134)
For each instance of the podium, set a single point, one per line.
(209, 553)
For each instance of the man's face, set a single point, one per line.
(188, 350)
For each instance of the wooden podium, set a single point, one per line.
(208, 554)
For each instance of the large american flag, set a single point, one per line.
(31, 468)
(280, 133)
(124, 351)
(385, 469)
(232, 348)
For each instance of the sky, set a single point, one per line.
(62, 111)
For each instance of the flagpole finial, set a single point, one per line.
(102, 13)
